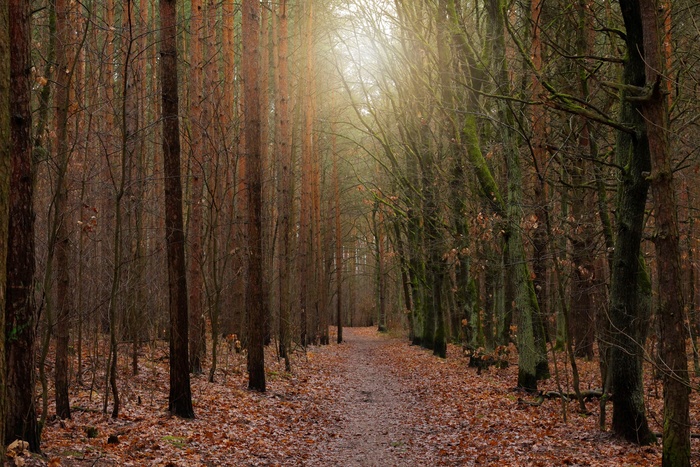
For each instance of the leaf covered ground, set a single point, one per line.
(371, 401)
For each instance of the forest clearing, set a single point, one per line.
(372, 401)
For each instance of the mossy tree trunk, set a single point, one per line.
(452, 105)
(531, 343)
(338, 240)
(581, 304)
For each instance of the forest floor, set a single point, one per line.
(371, 401)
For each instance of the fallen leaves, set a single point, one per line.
(430, 412)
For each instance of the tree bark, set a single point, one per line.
(180, 398)
(20, 311)
(60, 242)
(673, 334)
(5, 177)
(267, 212)
(284, 183)
(464, 297)
(581, 305)
(538, 122)
(627, 313)
(305, 242)
(532, 358)
(250, 36)
(197, 156)
(338, 237)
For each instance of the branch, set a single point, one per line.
(561, 101)
(618, 32)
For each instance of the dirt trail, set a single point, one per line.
(374, 408)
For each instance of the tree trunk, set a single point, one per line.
(5, 177)
(540, 239)
(139, 163)
(198, 128)
(284, 183)
(180, 398)
(692, 290)
(250, 36)
(352, 293)
(267, 188)
(532, 359)
(380, 282)
(626, 312)
(463, 294)
(60, 243)
(338, 237)
(20, 311)
(581, 307)
(673, 333)
(305, 249)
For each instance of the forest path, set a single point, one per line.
(376, 410)
(371, 401)
(377, 401)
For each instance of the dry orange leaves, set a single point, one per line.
(456, 417)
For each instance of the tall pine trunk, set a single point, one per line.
(306, 240)
(284, 183)
(5, 176)
(59, 243)
(250, 36)
(20, 311)
(338, 237)
(180, 398)
(197, 130)
(540, 240)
